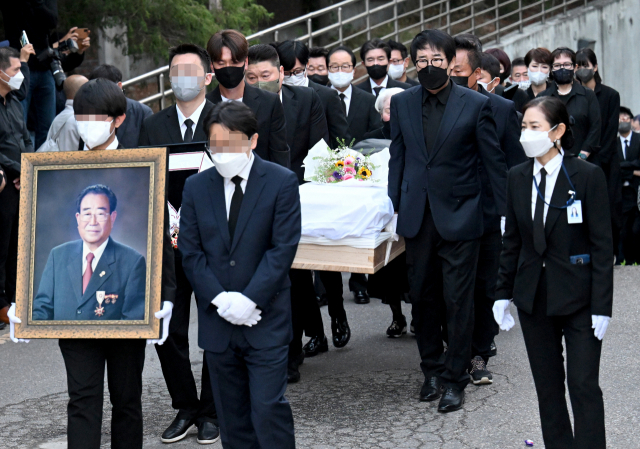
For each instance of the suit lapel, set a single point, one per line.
(619, 146)
(415, 104)
(290, 112)
(215, 97)
(353, 104)
(524, 194)
(74, 268)
(172, 127)
(216, 193)
(255, 184)
(101, 273)
(200, 135)
(250, 98)
(452, 111)
(560, 194)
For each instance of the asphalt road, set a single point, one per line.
(362, 396)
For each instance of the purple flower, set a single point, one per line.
(337, 175)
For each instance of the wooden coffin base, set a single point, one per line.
(345, 258)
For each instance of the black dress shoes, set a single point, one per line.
(322, 300)
(431, 389)
(315, 346)
(177, 430)
(361, 297)
(208, 433)
(293, 372)
(397, 328)
(341, 332)
(451, 401)
(494, 349)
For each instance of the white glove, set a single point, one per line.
(164, 314)
(241, 311)
(13, 320)
(502, 314)
(222, 302)
(503, 222)
(600, 324)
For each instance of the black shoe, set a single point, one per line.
(177, 430)
(479, 373)
(494, 349)
(322, 300)
(3, 326)
(341, 332)
(397, 328)
(293, 373)
(208, 433)
(361, 297)
(431, 389)
(315, 346)
(451, 400)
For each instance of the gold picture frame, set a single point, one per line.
(34, 232)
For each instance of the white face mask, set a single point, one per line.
(340, 79)
(538, 78)
(186, 88)
(230, 164)
(524, 85)
(93, 133)
(485, 85)
(396, 71)
(536, 143)
(14, 81)
(295, 80)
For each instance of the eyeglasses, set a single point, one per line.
(295, 72)
(397, 61)
(381, 59)
(101, 217)
(333, 68)
(436, 62)
(566, 65)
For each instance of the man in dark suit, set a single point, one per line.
(399, 63)
(440, 132)
(375, 55)
(182, 123)
(240, 228)
(228, 50)
(628, 144)
(117, 294)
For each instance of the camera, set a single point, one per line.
(54, 56)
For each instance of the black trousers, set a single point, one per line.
(249, 386)
(332, 281)
(390, 284)
(543, 340)
(358, 282)
(175, 362)
(485, 327)
(430, 258)
(85, 363)
(305, 312)
(9, 206)
(630, 237)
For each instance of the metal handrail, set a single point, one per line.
(352, 19)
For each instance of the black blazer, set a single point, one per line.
(412, 82)
(447, 177)
(362, 116)
(129, 132)
(609, 102)
(256, 263)
(306, 123)
(272, 130)
(366, 85)
(583, 106)
(162, 128)
(508, 129)
(570, 287)
(627, 166)
(520, 98)
(334, 114)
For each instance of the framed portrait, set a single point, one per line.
(90, 244)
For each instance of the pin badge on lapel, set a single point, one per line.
(99, 297)
(102, 274)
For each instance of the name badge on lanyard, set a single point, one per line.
(574, 212)
(573, 206)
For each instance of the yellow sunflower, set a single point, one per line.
(364, 172)
(340, 164)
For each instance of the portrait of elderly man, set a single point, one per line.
(95, 277)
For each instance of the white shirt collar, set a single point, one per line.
(306, 81)
(225, 99)
(112, 146)
(280, 93)
(194, 117)
(383, 84)
(551, 166)
(68, 104)
(347, 92)
(97, 254)
(628, 138)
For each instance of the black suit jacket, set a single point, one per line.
(256, 263)
(363, 117)
(570, 287)
(335, 116)
(609, 102)
(162, 128)
(129, 132)
(412, 82)
(366, 85)
(306, 123)
(627, 166)
(272, 130)
(508, 129)
(447, 177)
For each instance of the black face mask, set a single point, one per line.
(433, 78)
(320, 79)
(563, 76)
(230, 77)
(585, 75)
(377, 71)
(386, 129)
(461, 80)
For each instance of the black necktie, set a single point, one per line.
(188, 134)
(377, 90)
(626, 149)
(236, 202)
(539, 240)
(344, 103)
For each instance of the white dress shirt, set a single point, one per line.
(383, 84)
(347, 96)
(194, 117)
(112, 146)
(553, 168)
(97, 254)
(624, 150)
(226, 100)
(230, 187)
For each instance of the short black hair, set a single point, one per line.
(289, 51)
(436, 39)
(185, 49)
(372, 45)
(517, 62)
(100, 96)
(98, 189)
(555, 112)
(106, 71)
(473, 54)
(626, 110)
(233, 115)
(394, 45)
(342, 48)
(564, 51)
(472, 38)
(263, 52)
(490, 64)
(318, 52)
(6, 53)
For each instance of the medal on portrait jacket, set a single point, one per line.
(174, 224)
(99, 297)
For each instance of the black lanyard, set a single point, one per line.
(570, 201)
